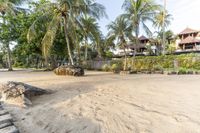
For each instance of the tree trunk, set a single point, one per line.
(8, 49)
(9, 57)
(136, 44)
(99, 50)
(67, 41)
(86, 49)
(125, 59)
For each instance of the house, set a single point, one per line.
(189, 40)
(142, 47)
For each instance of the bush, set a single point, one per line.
(157, 68)
(182, 71)
(115, 68)
(106, 68)
(188, 61)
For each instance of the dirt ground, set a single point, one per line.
(107, 103)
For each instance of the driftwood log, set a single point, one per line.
(69, 70)
(19, 92)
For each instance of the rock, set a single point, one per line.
(9, 129)
(19, 92)
(69, 70)
(5, 118)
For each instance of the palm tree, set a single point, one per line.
(119, 30)
(66, 14)
(162, 20)
(139, 12)
(90, 30)
(8, 7)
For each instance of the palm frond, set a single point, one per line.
(50, 35)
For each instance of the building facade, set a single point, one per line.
(189, 40)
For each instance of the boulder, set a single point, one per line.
(69, 70)
(19, 93)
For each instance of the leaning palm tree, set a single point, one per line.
(8, 7)
(119, 30)
(139, 12)
(66, 14)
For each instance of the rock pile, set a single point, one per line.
(19, 93)
(69, 70)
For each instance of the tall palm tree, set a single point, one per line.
(119, 30)
(161, 21)
(66, 14)
(90, 31)
(139, 12)
(8, 7)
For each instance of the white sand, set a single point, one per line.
(107, 103)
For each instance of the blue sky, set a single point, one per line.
(186, 13)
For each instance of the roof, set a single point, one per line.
(132, 46)
(141, 38)
(188, 31)
(189, 39)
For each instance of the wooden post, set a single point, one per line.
(183, 46)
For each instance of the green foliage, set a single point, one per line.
(109, 54)
(182, 70)
(115, 68)
(106, 68)
(157, 68)
(189, 61)
(119, 63)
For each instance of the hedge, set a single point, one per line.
(187, 61)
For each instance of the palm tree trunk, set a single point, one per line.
(67, 41)
(8, 48)
(86, 49)
(136, 44)
(99, 50)
(9, 57)
(125, 59)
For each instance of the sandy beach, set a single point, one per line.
(107, 103)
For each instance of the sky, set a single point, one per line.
(185, 13)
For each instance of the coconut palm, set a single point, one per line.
(139, 12)
(66, 14)
(161, 21)
(119, 30)
(90, 31)
(8, 7)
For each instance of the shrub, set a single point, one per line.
(115, 68)
(182, 71)
(157, 68)
(106, 68)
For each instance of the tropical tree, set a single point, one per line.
(139, 12)
(8, 7)
(161, 21)
(65, 16)
(119, 30)
(90, 31)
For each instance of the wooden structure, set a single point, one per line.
(189, 40)
(141, 47)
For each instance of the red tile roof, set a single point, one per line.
(188, 31)
(189, 39)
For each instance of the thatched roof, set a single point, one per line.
(188, 31)
(189, 39)
(141, 38)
